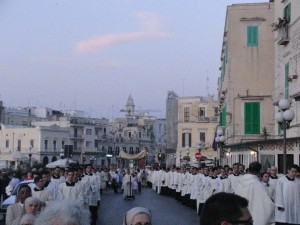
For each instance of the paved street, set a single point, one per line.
(165, 210)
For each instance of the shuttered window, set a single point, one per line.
(186, 140)
(287, 12)
(252, 117)
(223, 116)
(252, 36)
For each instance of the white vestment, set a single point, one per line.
(288, 197)
(260, 205)
(127, 185)
(74, 193)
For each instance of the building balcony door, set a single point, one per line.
(289, 162)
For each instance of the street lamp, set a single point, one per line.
(220, 139)
(187, 149)
(30, 155)
(284, 118)
(82, 157)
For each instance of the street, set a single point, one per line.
(165, 210)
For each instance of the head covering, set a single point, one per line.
(27, 218)
(128, 217)
(30, 200)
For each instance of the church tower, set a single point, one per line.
(130, 107)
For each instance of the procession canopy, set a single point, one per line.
(137, 156)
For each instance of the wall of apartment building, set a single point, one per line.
(288, 55)
(248, 70)
(199, 126)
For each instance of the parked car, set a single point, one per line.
(12, 198)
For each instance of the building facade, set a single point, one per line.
(247, 80)
(197, 120)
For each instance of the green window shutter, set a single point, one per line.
(252, 117)
(223, 116)
(287, 12)
(252, 36)
(286, 75)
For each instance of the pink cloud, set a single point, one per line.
(151, 29)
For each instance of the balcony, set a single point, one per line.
(283, 35)
(204, 119)
(76, 136)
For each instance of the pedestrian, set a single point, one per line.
(226, 208)
(137, 216)
(32, 206)
(127, 184)
(250, 187)
(16, 210)
(287, 198)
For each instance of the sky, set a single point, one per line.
(90, 55)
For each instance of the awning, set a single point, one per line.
(15, 156)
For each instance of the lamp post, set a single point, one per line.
(82, 157)
(30, 155)
(200, 146)
(220, 139)
(284, 117)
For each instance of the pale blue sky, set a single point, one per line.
(91, 54)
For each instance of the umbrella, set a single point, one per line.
(60, 163)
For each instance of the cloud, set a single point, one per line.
(151, 28)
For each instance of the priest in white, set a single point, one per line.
(260, 206)
(127, 184)
(287, 199)
(70, 190)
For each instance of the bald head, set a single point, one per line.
(273, 170)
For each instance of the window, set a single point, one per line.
(96, 144)
(19, 145)
(129, 134)
(124, 149)
(201, 112)
(96, 131)
(117, 150)
(287, 12)
(252, 36)
(186, 140)
(46, 144)
(223, 116)
(54, 145)
(88, 131)
(63, 144)
(202, 136)
(140, 134)
(32, 143)
(286, 73)
(216, 111)
(252, 117)
(7, 144)
(75, 145)
(88, 144)
(131, 150)
(186, 114)
(137, 150)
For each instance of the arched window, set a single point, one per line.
(54, 158)
(117, 150)
(45, 160)
(110, 150)
(137, 150)
(131, 150)
(124, 149)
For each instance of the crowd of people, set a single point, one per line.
(72, 195)
(272, 198)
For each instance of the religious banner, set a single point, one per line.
(138, 156)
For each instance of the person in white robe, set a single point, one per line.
(56, 177)
(265, 177)
(234, 177)
(287, 198)
(201, 191)
(92, 185)
(213, 184)
(70, 190)
(49, 185)
(161, 178)
(40, 192)
(127, 184)
(260, 206)
(224, 182)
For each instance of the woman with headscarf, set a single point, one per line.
(32, 207)
(137, 216)
(16, 210)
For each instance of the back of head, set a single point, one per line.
(64, 212)
(254, 167)
(222, 207)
